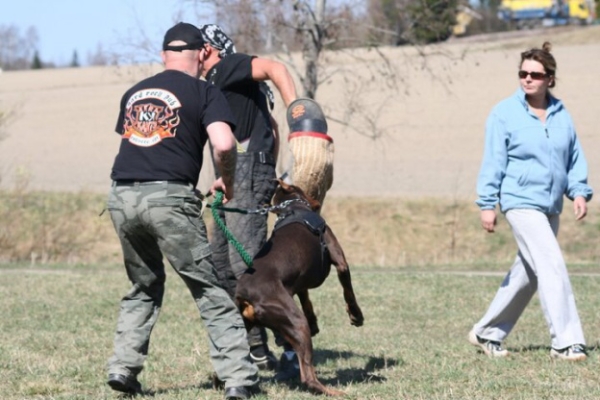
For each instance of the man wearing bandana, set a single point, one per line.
(164, 123)
(241, 78)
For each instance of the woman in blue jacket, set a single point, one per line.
(532, 159)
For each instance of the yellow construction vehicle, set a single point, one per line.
(535, 13)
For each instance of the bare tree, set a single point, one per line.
(17, 49)
(258, 26)
(488, 9)
(137, 46)
(311, 25)
(413, 22)
(100, 56)
(245, 20)
(320, 33)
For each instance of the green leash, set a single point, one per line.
(217, 202)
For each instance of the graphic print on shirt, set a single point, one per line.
(151, 116)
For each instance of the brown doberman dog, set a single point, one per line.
(297, 257)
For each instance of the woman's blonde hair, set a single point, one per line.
(544, 57)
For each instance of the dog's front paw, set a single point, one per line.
(356, 316)
(314, 328)
(313, 325)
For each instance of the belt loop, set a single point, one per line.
(262, 157)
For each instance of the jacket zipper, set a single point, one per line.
(551, 204)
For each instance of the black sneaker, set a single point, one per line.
(265, 362)
(575, 352)
(237, 393)
(126, 384)
(289, 367)
(489, 347)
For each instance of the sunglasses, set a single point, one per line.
(538, 76)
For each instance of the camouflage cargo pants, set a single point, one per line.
(154, 219)
(254, 186)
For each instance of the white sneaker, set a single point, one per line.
(489, 347)
(575, 352)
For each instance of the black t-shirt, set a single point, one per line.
(233, 75)
(163, 122)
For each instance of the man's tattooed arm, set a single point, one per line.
(224, 155)
(227, 163)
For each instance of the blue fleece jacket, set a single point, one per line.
(529, 164)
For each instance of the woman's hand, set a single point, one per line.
(580, 207)
(488, 220)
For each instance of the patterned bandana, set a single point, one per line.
(215, 37)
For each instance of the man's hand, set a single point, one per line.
(218, 185)
(488, 220)
(580, 207)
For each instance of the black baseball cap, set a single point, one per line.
(184, 32)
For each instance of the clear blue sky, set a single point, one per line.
(67, 25)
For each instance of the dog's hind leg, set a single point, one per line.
(309, 312)
(339, 260)
(281, 313)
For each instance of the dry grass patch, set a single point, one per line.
(48, 227)
(441, 232)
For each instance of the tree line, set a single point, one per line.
(269, 26)
(19, 50)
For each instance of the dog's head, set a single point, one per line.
(290, 192)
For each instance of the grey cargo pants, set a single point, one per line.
(156, 218)
(539, 266)
(254, 186)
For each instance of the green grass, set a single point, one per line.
(57, 326)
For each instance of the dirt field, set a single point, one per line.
(429, 112)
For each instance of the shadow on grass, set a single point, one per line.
(523, 349)
(368, 374)
(531, 348)
(537, 347)
(206, 385)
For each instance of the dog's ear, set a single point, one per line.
(315, 205)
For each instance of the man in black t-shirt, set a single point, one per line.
(164, 123)
(241, 78)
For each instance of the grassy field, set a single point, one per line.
(424, 271)
(58, 321)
